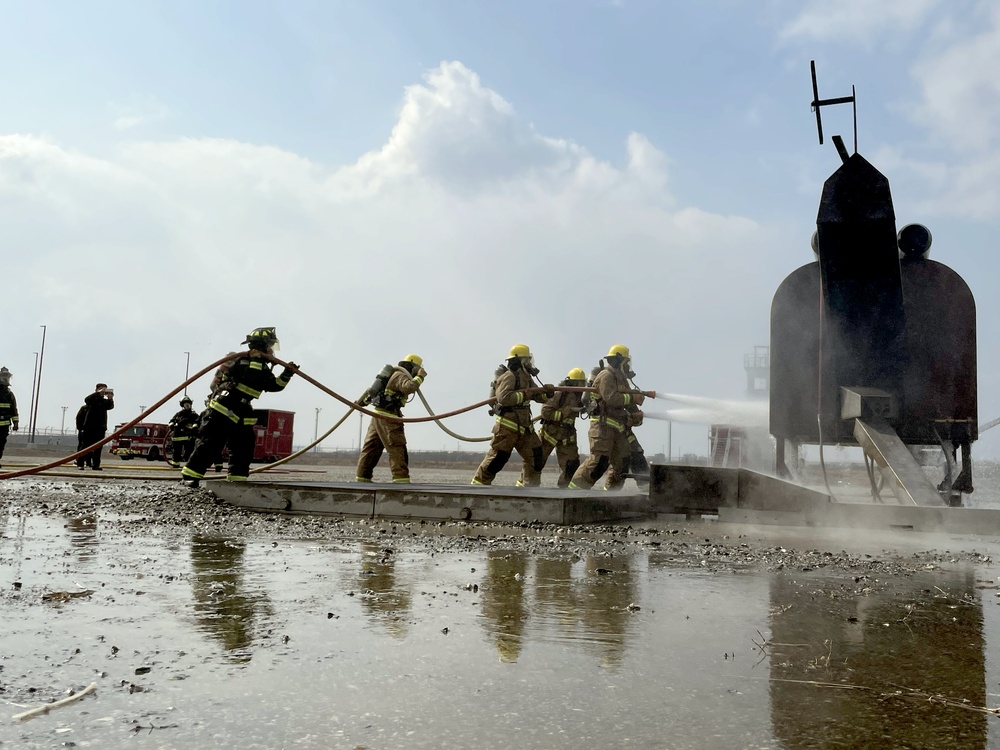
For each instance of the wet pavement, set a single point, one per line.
(208, 626)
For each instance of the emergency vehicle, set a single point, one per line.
(145, 439)
(273, 433)
(272, 438)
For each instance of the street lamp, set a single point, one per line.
(38, 387)
(187, 369)
(316, 430)
(31, 406)
(62, 428)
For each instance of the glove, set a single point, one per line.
(638, 397)
(635, 418)
(550, 390)
(13, 426)
(292, 366)
(421, 373)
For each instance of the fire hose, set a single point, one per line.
(353, 406)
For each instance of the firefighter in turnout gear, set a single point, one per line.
(229, 418)
(390, 391)
(8, 409)
(635, 464)
(613, 405)
(183, 431)
(558, 431)
(513, 430)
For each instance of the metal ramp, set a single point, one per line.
(905, 477)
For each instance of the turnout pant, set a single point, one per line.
(4, 431)
(216, 431)
(635, 463)
(505, 441)
(608, 449)
(389, 436)
(567, 454)
(181, 449)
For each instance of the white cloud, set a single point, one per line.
(959, 106)
(466, 232)
(855, 20)
(960, 90)
(141, 110)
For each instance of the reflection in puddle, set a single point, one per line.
(842, 661)
(503, 605)
(384, 600)
(224, 606)
(83, 537)
(846, 668)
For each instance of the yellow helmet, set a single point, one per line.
(619, 350)
(519, 350)
(415, 359)
(576, 374)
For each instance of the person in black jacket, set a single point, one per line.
(229, 418)
(8, 409)
(93, 424)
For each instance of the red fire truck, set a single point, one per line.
(273, 433)
(145, 439)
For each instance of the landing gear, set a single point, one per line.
(953, 486)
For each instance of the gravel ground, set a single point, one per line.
(154, 508)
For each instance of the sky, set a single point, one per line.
(451, 178)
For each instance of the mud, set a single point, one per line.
(203, 624)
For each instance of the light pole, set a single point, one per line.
(187, 369)
(316, 430)
(38, 387)
(31, 406)
(62, 428)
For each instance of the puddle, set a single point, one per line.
(196, 641)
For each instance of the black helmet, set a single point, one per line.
(262, 339)
(186, 400)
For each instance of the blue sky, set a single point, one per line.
(455, 177)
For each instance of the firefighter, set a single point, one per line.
(229, 418)
(558, 430)
(183, 431)
(8, 409)
(635, 462)
(392, 387)
(513, 430)
(609, 418)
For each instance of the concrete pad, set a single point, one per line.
(436, 502)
